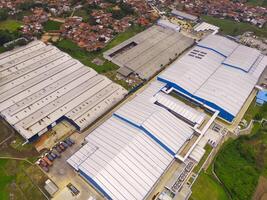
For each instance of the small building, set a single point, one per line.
(261, 97)
(204, 27)
(50, 187)
(184, 15)
(167, 24)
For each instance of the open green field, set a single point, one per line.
(207, 187)
(18, 179)
(11, 25)
(52, 25)
(242, 161)
(233, 28)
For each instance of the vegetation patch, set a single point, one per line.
(52, 25)
(262, 3)
(206, 187)
(10, 25)
(17, 183)
(230, 27)
(242, 161)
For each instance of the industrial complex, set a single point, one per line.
(125, 157)
(40, 86)
(147, 52)
(167, 123)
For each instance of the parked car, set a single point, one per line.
(58, 149)
(54, 151)
(53, 154)
(47, 160)
(73, 189)
(68, 142)
(71, 140)
(62, 147)
(49, 157)
(43, 162)
(45, 168)
(64, 144)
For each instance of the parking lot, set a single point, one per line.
(62, 174)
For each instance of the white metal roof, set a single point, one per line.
(197, 153)
(40, 84)
(127, 154)
(166, 23)
(122, 160)
(143, 112)
(180, 108)
(242, 58)
(204, 26)
(201, 72)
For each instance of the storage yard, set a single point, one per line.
(147, 52)
(40, 86)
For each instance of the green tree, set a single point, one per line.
(3, 14)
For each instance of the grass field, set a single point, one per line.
(52, 25)
(11, 25)
(18, 179)
(207, 188)
(252, 111)
(233, 28)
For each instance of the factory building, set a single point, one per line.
(218, 73)
(41, 86)
(125, 156)
(149, 51)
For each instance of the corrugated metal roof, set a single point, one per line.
(122, 160)
(201, 74)
(126, 155)
(40, 85)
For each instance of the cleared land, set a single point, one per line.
(233, 28)
(11, 25)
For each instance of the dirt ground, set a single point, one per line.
(261, 190)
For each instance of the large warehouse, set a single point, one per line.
(126, 155)
(40, 86)
(217, 72)
(147, 52)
